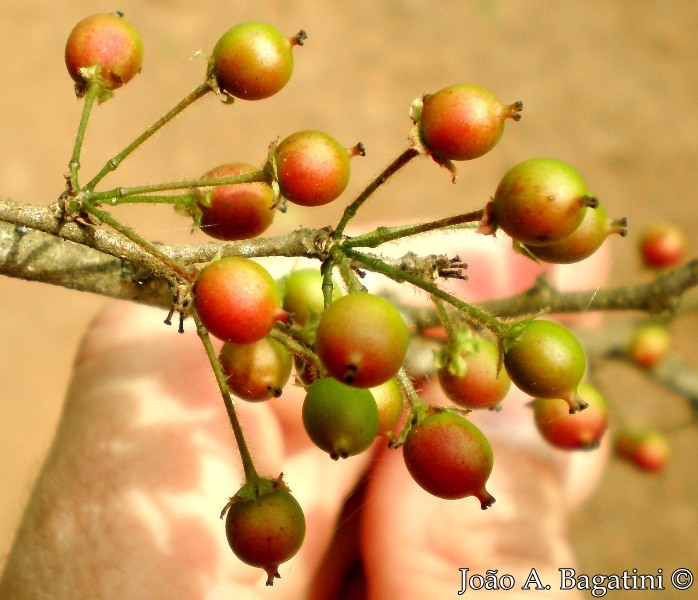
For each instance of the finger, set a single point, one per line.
(129, 500)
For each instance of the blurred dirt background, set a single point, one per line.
(611, 87)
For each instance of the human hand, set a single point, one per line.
(128, 501)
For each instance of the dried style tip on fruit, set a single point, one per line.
(105, 47)
(540, 201)
(253, 60)
(462, 122)
(265, 530)
(583, 241)
(449, 457)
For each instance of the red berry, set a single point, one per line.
(462, 122)
(540, 201)
(361, 339)
(648, 450)
(265, 531)
(256, 371)
(663, 245)
(471, 373)
(253, 60)
(449, 457)
(107, 41)
(339, 419)
(237, 300)
(545, 360)
(312, 167)
(583, 241)
(650, 344)
(237, 211)
(579, 431)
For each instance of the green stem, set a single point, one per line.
(129, 233)
(93, 91)
(124, 192)
(116, 160)
(351, 210)
(444, 318)
(251, 475)
(155, 199)
(469, 311)
(381, 235)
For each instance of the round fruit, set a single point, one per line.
(312, 167)
(541, 201)
(256, 371)
(388, 397)
(648, 450)
(237, 211)
(579, 431)
(462, 122)
(340, 419)
(650, 344)
(265, 531)
(663, 245)
(237, 300)
(449, 457)
(253, 60)
(471, 374)
(361, 339)
(107, 41)
(545, 360)
(583, 241)
(302, 295)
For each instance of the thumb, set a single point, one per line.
(415, 544)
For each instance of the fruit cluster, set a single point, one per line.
(348, 345)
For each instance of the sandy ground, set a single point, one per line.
(610, 87)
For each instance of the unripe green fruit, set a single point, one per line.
(265, 531)
(545, 360)
(253, 60)
(339, 419)
(583, 241)
(541, 201)
(302, 295)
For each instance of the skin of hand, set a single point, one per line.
(127, 504)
